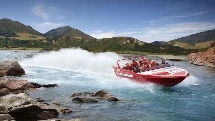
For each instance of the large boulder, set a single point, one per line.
(11, 68)
(14, 86)
(206, 58)
(22, 107)
(18, 86)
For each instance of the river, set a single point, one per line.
(76, 70)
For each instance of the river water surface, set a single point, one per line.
(76, 70)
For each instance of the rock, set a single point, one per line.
(4, 91)
(66, 110)
(36, 85)
(82, 94)
(22, 107)
(113, 99)
(13, 86)
(84, 100)
(6, 117)
(103, 94)
(49, 85)
(11, 68)
(89, 97)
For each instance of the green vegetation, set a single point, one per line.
(14, 34)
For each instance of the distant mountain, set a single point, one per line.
(8, 27)
(68, 32)
(198, 40)
(14, 34)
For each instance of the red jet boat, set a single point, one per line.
(163, 75)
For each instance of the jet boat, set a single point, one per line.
(164, 75)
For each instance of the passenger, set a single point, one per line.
(163, 62)
(127, 66)
(135, 66)
(150, 63)
(153, 63)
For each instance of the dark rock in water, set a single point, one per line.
(84, 100)
(89, 97)
(82, 94)
(11, 68)
(65, 110)
(49, 85)
(113, 99)
(103, 94)
(36, 85)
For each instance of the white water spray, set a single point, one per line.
(93, 65)
(75, 60)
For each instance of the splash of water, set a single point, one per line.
(190, 80)
(74, 59)
(93, 65)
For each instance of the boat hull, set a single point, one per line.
(164, 77)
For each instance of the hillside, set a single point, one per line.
(200, 40)
(17, 35)
(17, 30)
(68, 32)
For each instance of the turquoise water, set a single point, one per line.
(76, 70)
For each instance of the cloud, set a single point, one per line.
(46, 26)
(173, 31)
(161, 33)
(47, 12)
(99, 34)
(199, 13)
(40, 11)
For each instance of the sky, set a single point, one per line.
(146, 20)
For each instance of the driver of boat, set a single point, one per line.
(163, 62)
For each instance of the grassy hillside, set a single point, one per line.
(68, 32)
(198, 41)
(14, 34)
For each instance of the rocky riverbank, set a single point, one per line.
(16, 104)
(206, 58)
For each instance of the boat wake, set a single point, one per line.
(190, 80)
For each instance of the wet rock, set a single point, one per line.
(36, 85)
(11, 68)
(84, 100)
(22, 107)
(103, 94)
(82, 94)
(89, 97)
(113, 99)
(49, 85)
(66, 110)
